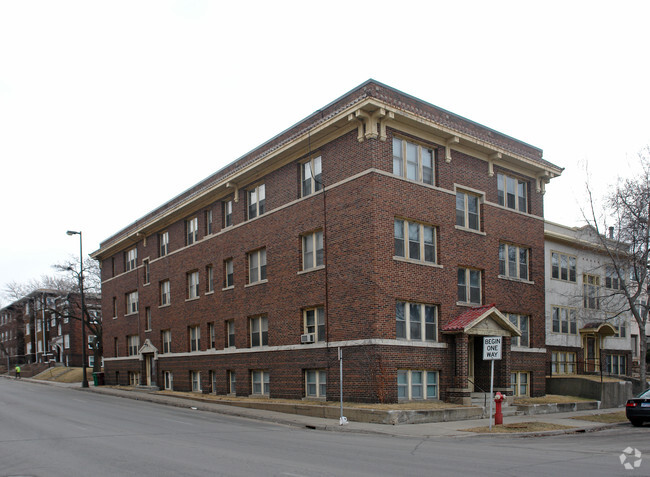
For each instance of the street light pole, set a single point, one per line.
(84, 381)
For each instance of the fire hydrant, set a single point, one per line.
(498, 415)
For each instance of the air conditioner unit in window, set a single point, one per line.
(307, 338)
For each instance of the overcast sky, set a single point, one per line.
(108, 109)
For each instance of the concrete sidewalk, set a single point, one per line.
(437, 429)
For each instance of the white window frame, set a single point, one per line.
(163, 243)
(132, 345)
(66, 341)
(313, 254)
(409, 389)
(410, 316)
(147, 318)
(227, 213)
(411, 238)
(566, 319)
(316, 383)
(463, 214)
(232, 382)
(522, 322)
(516, 383)
(504, 184)
(311, 176)
(408, 161)
(209, 282)
(134, 378)
(257, 266)
(166, 338)
(147, 271)
(230, 334)
(132, 305)
(195, 379)
(193, 290)
(191, 231)
(229, 276)
(563, 362)
(591, 291)
(314, 322)
(256, 201)
(259, 331)
(208, 222)
(165, 293)
(212, 336)
(468, 274)
(612, 280)
(518, 269)
(564, 267)
(260, 380)
(168, 379)
(195, 338)
(130, 259)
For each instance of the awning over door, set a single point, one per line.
(484, 320)
(599, 328)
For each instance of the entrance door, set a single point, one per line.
(590, 361)
(147, 367)
(470, 363)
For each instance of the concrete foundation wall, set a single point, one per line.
(610, 394)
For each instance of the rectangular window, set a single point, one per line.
(416, 322)
(131, 302)
(66, 341)
(116, 348)
(312, 250)
(314, 322)
(212, 335)
(193, 285)
(415, 241)
(213, 382)
(316, 383)
(467, 211)
(230, 334)
(469, 286)
(522, 323)
(134, 378)
(147, 317)
(563, 267)
(513, 193)
(191, 231)
(612, 280)
(227, 213)
(133, 344)
(130, 259)
(260, 382)
(169, 380)
(257, 266)
(195, 377)
(209, 282)
(259, 331)
(563, 362)
(147, 274)
(513, 261)
(590, 291)
(166, 338)
(519, 383)
(621, 328)
(616, 364)
(564, 320)
(311, 176)
(165, 293)
(163, 243)
(232, 382)
(208, 222)
(416, 385)
(228, 279)
(195, 338)
(413, 161)
(256, 201)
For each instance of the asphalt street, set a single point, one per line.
(54, 431)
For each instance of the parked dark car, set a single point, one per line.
(637, 409)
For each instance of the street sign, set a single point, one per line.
(491, 348)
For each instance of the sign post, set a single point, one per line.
(491, 352)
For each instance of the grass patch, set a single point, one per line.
(550, 399)
(605, 418)
(62, 374)
(519, 427)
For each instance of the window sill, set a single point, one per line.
(164, 306)
(515, 279)
(146, 284)
(192, 299)
(211, 292)
(131, 314)
(397, 258)
(464, 303)
(313, 269)
(256, 283)
(228, 288)
(565, 281)
(148, 331)
(466, 229)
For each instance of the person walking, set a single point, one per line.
(17, 372)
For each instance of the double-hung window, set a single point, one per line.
(415, 321)
(165, 293)
(228, 279)
(195, 377)
(522, 323)
(208, 222)
(166, 338)
(191, 230)
(230, 334)
(311, 176)
(193, 285)
(415, 241)
(467, 210)
(564, 320)
(519, 382)
(209, 274)
(512, 192)
(232, 382)
(469, 286)
(590, 291)
(133, 343)
(256, 201)
(260, 382)
(131, 302)
(616, 364)
(212, 336)
(413, 161)
(130, 259)
(257, 266)
(314, 322)
(163, 243)
(513, 261)
(312, 250)
(147, 271)
(563, 267)
(612, 280)
(316, 383)
(416, 384)
(259, 327)
(563, 362)
(227, 213)
(195, 338)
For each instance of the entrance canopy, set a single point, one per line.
(484, 320)
(599, 328)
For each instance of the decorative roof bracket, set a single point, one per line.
(368, 123)
(451, 141)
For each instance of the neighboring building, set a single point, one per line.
(381, 225)
(39, 330)
(586, 332)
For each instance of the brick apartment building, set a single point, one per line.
(380, 225)
(36, 328)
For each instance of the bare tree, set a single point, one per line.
(626, 217)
